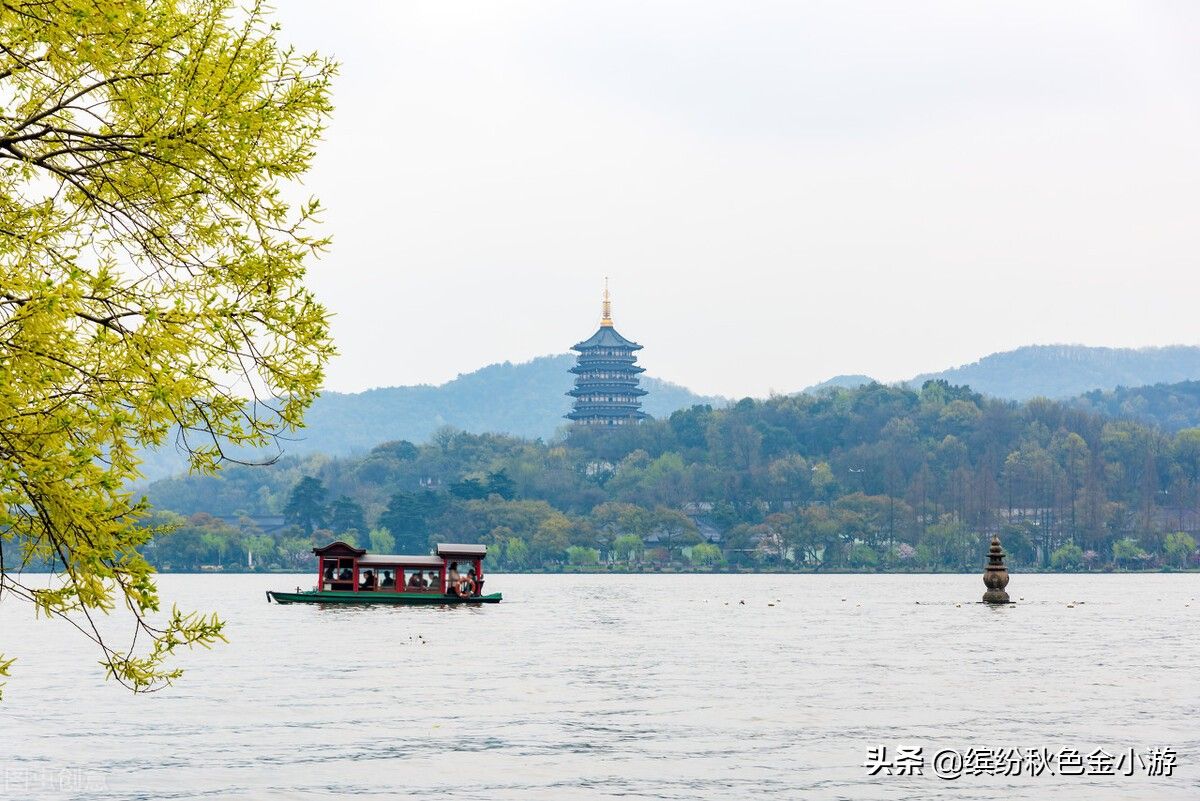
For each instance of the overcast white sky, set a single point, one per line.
(779, 191)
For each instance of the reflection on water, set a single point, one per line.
(621, 687)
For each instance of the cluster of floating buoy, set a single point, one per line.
(995, 578)
(769, 603)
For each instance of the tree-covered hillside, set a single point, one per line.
(1172, 407)
(528, 399)
(871, 478)
(523, 400)
(840, 382)
(1063, 371)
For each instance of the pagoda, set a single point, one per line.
(606, 389)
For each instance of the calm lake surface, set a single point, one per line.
(621, 687)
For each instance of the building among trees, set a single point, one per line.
(606, 389)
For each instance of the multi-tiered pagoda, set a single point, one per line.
(606, 389)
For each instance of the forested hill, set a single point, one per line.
(524, 400)
(1171, 407)
(528, 400)
(1064, 371)
(871, 477)
(839, 382)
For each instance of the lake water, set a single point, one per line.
(623, 687)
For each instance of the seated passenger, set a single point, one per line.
(433, 581)
(415, 582)
(368, 581)
(346, 574)
(388, 580)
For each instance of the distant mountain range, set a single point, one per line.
(1057, 371)
(528, 399)
(1064, 371)
(840, 382)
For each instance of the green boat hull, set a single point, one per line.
(384, 598)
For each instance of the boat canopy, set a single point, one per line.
(459, 549)
(401, 559)
(339, 548)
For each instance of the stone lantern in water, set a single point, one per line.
(995, 575)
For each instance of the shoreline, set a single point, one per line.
(742, 572)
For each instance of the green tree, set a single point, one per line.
(690, 425)
(822, 480)
(306, 504)
(469, 488)
(1178, 547)
(498, 483)
(613, 520)
(1127, 553)
(628, 548)
(151, 279)
(404, 517)
(674, 529)
(516, 552)
(951, 545)
(408, 517)
(1186, 451)
(1018, 542)
(551, 538)
(263, 549)
(382, 541)
(216, 545)
(861, 555)
(705, 553)
(664, 481)
(296, 552)
(578, 555)
(1067, 556)
(346, 514)
(790, 478)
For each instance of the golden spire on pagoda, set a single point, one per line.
(606, 308)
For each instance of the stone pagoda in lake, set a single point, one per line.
(606, 389)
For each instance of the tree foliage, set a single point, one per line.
(151, 274)
(306, 505)
(873, 478)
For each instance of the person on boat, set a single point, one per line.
(415, 582)
(473, 578)
(388, 581)
(346, 574)
(368, 581)
(452, 579)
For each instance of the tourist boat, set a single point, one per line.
(349, 575)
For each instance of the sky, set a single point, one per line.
(778, 192)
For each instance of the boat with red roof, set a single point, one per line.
(349, 575)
